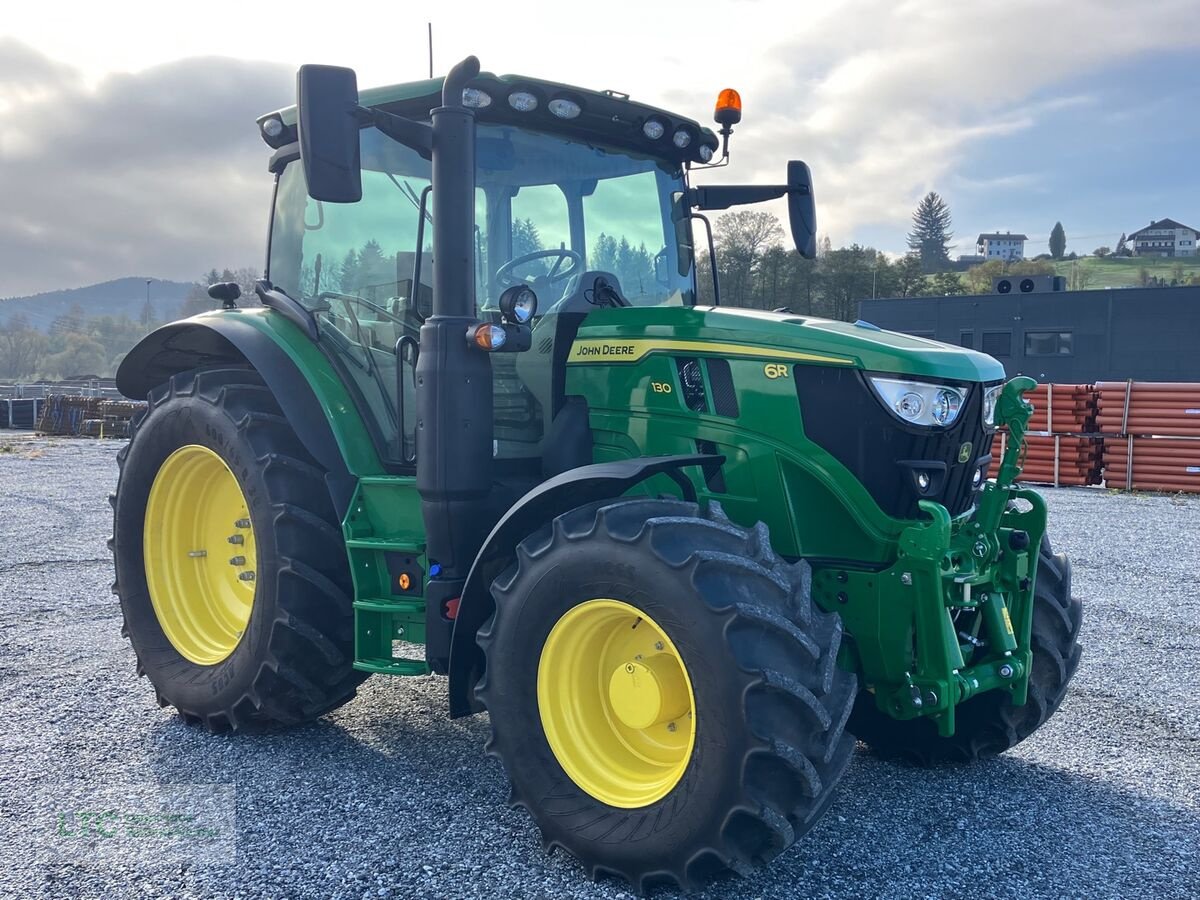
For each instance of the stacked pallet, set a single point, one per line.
(1152, 435)
(25, 412)
(65, 413)
(87, 416)
(1059, 448)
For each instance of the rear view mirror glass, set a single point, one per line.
(326, 106)
(802, 209)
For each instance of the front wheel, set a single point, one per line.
(663, 693)
(989, 724)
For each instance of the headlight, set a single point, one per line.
(990, 396)
(919, 402)
(523, 101)
(518, 304)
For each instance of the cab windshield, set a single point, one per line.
(605, 210)
(547, 211)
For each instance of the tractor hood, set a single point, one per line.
(803, 338)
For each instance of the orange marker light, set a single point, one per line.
(729, 108)
(405, 581)
(487, 337)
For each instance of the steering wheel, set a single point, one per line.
(539, 283)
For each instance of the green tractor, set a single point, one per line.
(683, 555)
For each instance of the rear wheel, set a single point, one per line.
(989, 724)
(231, 569)
(664, 696)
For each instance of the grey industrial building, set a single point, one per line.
(1071, 337)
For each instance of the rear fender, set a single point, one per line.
(311, 394)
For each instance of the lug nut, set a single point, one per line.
(1006, 671)
(658, 645)
(242, 523)
(246, 576)
(236, 539)
(237, 560)
(906, 578)
(670, 726)
(197, 554)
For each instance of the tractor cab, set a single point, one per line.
(581, 196)
(555, 214)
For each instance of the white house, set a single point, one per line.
(1002, 246)
(1166, 237)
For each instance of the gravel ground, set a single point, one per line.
(388, 798)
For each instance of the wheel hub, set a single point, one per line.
(649, 691)
(200, 554)
(616, 703)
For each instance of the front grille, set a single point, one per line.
(841, 413)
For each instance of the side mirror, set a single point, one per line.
(802, 208)
(327, 110)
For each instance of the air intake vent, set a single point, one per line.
(725, 400)
(691, 381)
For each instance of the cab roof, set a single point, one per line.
(607, 117)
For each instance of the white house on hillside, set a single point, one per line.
(1166, 237)
(1002, 246)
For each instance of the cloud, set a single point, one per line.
(161, 172)
(887, 100)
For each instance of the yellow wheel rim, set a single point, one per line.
(616, 703)
(200, 555)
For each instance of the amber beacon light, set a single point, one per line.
(729, 108)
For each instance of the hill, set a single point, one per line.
(1092, 273)
(121, 297)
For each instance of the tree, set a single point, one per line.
(21, 348)
(1101, 252)
(979, 279)
(910, 280)
(1058, 241)
(742, 237)
(847, 280)
(930, 235)
(1122, 249)
(1029, 267)
(946, 284)
(525, 239)
(80, 355)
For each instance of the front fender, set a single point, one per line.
(573, 488)
(313, 397)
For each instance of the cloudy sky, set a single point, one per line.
(128, 145)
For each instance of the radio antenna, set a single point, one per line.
(430, 28)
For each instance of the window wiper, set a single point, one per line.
(409, 192)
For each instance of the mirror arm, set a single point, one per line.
(416, 135)
(723, 196)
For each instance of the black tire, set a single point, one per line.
(771, 702)
(990, 724)
(293, 662)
